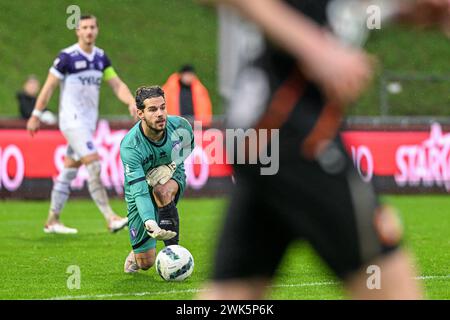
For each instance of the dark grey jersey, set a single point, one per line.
(251, 68)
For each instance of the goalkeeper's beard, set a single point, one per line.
(152, 129)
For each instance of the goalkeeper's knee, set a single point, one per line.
(163, 194)
(169, 220)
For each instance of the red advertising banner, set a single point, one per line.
(413, 158)
(42, 157)
(407, 159)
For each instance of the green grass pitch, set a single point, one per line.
(34, 265)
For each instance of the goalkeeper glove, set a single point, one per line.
(160, 174)
(156, 232)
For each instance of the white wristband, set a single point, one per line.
(37, 113)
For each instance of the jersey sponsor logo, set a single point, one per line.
(162, 154)
(90, 145)
(90, 81)
(80, 64)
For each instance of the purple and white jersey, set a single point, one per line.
(81, 76)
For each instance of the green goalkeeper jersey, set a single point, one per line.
(139, 154)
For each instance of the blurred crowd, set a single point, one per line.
(26, 99)
(185, 94)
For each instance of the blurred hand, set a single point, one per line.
(342, 72)
(132, 109)
(427, 13)
(434, 12)
(33, 125)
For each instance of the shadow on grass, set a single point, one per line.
(149, 285)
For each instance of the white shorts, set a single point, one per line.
(80, 143)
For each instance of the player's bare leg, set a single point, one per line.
(130, 265)
(164, 195)
(137, 261)
(60, 194)
(99, 195)
(396, 272)
(249, 289)
(396, 280)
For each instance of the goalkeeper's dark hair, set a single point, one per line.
(147, 92)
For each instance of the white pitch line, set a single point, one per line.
(432, 277)
(146, 293)
(133, 294)
(307, 284)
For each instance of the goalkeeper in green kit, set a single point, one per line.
(153, 154)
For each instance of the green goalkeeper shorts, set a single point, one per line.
(140, 240)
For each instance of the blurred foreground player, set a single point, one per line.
(153, 154)
(79, 70)
(301, 82)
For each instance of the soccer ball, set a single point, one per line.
(174, 263)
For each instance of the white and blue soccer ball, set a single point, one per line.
(174, 263)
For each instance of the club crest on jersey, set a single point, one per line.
(100, 65)
(133, 233)
(80, 64)
(90, 145)
(176, 145)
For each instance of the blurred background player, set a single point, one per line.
(186, 96)
(80, 69)
(26, 99)
(300, 81)
(153, 154)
